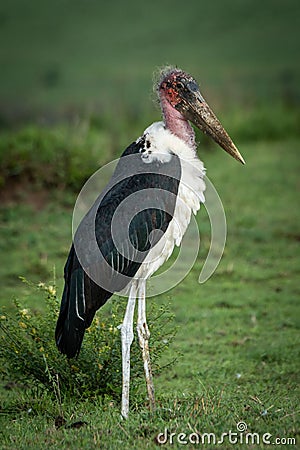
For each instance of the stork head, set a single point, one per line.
(182, 92)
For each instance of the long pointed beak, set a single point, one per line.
(197, 111)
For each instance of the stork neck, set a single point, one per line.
(176, 123)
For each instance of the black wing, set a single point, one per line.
(113, 239)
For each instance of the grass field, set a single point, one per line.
(238, 333)
(75, 89)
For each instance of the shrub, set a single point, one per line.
(69, 155)
(28, 351)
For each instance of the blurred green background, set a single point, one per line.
(66, 56)
(76, 87)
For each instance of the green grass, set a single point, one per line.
(238, 333)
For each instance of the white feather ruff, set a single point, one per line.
(190, 192)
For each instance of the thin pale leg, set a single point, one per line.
(144, 335)
(126, 339)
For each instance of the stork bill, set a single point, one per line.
(183, 93)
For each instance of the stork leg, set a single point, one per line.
(144, 335)
(126, 339)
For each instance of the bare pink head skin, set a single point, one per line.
(182, 103)
(169, 98)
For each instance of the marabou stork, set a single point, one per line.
(163, 176)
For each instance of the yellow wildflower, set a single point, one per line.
(51, 290)
(25, 313)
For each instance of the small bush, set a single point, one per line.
(60, 156)
(28, 351)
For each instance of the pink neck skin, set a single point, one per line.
(176, 123)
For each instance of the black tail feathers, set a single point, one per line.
(80, 301)
(70, 326)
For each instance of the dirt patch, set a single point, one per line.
(18, 191)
